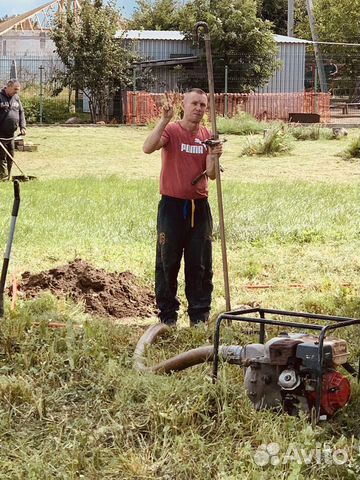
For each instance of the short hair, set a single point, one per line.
(12, 82)
(196, 90)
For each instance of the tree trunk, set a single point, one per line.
(92, 110)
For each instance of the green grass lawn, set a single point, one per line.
(88, 151)
(70, 404)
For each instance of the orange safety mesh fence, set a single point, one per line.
(143, 107)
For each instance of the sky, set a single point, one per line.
(22, 6)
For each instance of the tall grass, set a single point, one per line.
(314, 132)
(276, 141)
(353, 150)
(71, 406)
(240, 124)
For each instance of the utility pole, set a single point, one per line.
(317, 50)
(290, 18)
(226, 106)
(41, 96)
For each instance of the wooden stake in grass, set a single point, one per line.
(14, 291)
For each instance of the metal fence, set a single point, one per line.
(29, 70)
(143, 107)
(37, 77)
(285, 92)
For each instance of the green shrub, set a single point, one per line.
(353, 150)
(314, 132)
(276, 141)
(55, 110)
(241, 124)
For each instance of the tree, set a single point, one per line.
(336, 21)
(276, 12)
(96, 62)
(240, 40)
(156, 15)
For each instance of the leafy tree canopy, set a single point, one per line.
(240, 40)
(336, 21)
(276, 12)
(156, 15)
(96, 62)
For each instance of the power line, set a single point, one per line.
(338, 43)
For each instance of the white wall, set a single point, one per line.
(26, 42)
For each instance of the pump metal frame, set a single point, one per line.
(333, 323)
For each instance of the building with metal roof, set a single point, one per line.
(151, 35)
(167, 51)
(290, 76)
(169, 54)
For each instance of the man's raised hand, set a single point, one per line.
(167, 107)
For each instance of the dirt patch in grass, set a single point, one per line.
(106, 294)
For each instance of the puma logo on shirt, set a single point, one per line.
(199, 149)
(183, 158)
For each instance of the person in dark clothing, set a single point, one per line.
(12, 117)
(184, 222)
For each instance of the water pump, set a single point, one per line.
(296, 372)
(284, 374)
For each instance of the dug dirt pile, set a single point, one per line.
(106, 294)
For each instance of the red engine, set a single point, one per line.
(284, 374)
(335, 393)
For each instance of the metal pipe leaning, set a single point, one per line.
(205, 27)
(14, 214)
(12, 158)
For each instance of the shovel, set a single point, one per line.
(205, 27)
(5, 266)
(22, 177)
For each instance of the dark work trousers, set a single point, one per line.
(5, 160)
(176, 236)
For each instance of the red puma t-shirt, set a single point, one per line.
(183, 159)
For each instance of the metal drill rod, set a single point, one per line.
(205, 27)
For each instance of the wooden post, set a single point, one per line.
(318, 56)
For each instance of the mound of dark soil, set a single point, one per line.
(106, 294)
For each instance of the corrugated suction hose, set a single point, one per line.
(174, 364)
(232, 353)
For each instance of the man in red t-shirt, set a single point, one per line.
(184, 222)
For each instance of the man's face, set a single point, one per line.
(12, 89)
(194, 106)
